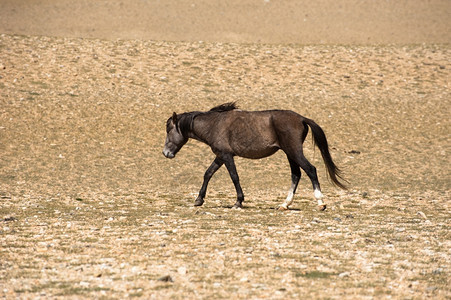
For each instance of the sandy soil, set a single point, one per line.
(89, 207)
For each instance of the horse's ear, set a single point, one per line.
(174, 121)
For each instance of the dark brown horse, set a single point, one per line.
(231, 132)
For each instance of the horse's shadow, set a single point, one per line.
(250, 208)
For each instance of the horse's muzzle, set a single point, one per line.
(168, 154)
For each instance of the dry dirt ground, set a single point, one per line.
(89, 207)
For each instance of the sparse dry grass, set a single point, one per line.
(121, 246)
(90, 207)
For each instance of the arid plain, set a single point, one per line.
(89, 206)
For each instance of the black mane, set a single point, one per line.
(225, 107)
(185, 120)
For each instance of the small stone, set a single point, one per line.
(9, 219)
(422, 214)
(166, 278)
(322, 207)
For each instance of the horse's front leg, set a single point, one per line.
(230, 164)
(215, 165)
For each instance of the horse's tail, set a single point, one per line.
(321, 142)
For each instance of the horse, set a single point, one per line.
(230, 132)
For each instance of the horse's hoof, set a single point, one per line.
(322, 207)
(238, 205)
(199, 202)
(282, 208)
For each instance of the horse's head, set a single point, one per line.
(174, 137)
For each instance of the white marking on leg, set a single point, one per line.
(289, 199)
(319, 196)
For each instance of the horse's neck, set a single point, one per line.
(196, 134)
(200, 129)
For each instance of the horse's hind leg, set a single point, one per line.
(215, 165)
(311, 173)
(295, 177)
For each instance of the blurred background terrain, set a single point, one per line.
(251, 21)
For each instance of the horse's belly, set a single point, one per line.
(256, 151)
(260, 154)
